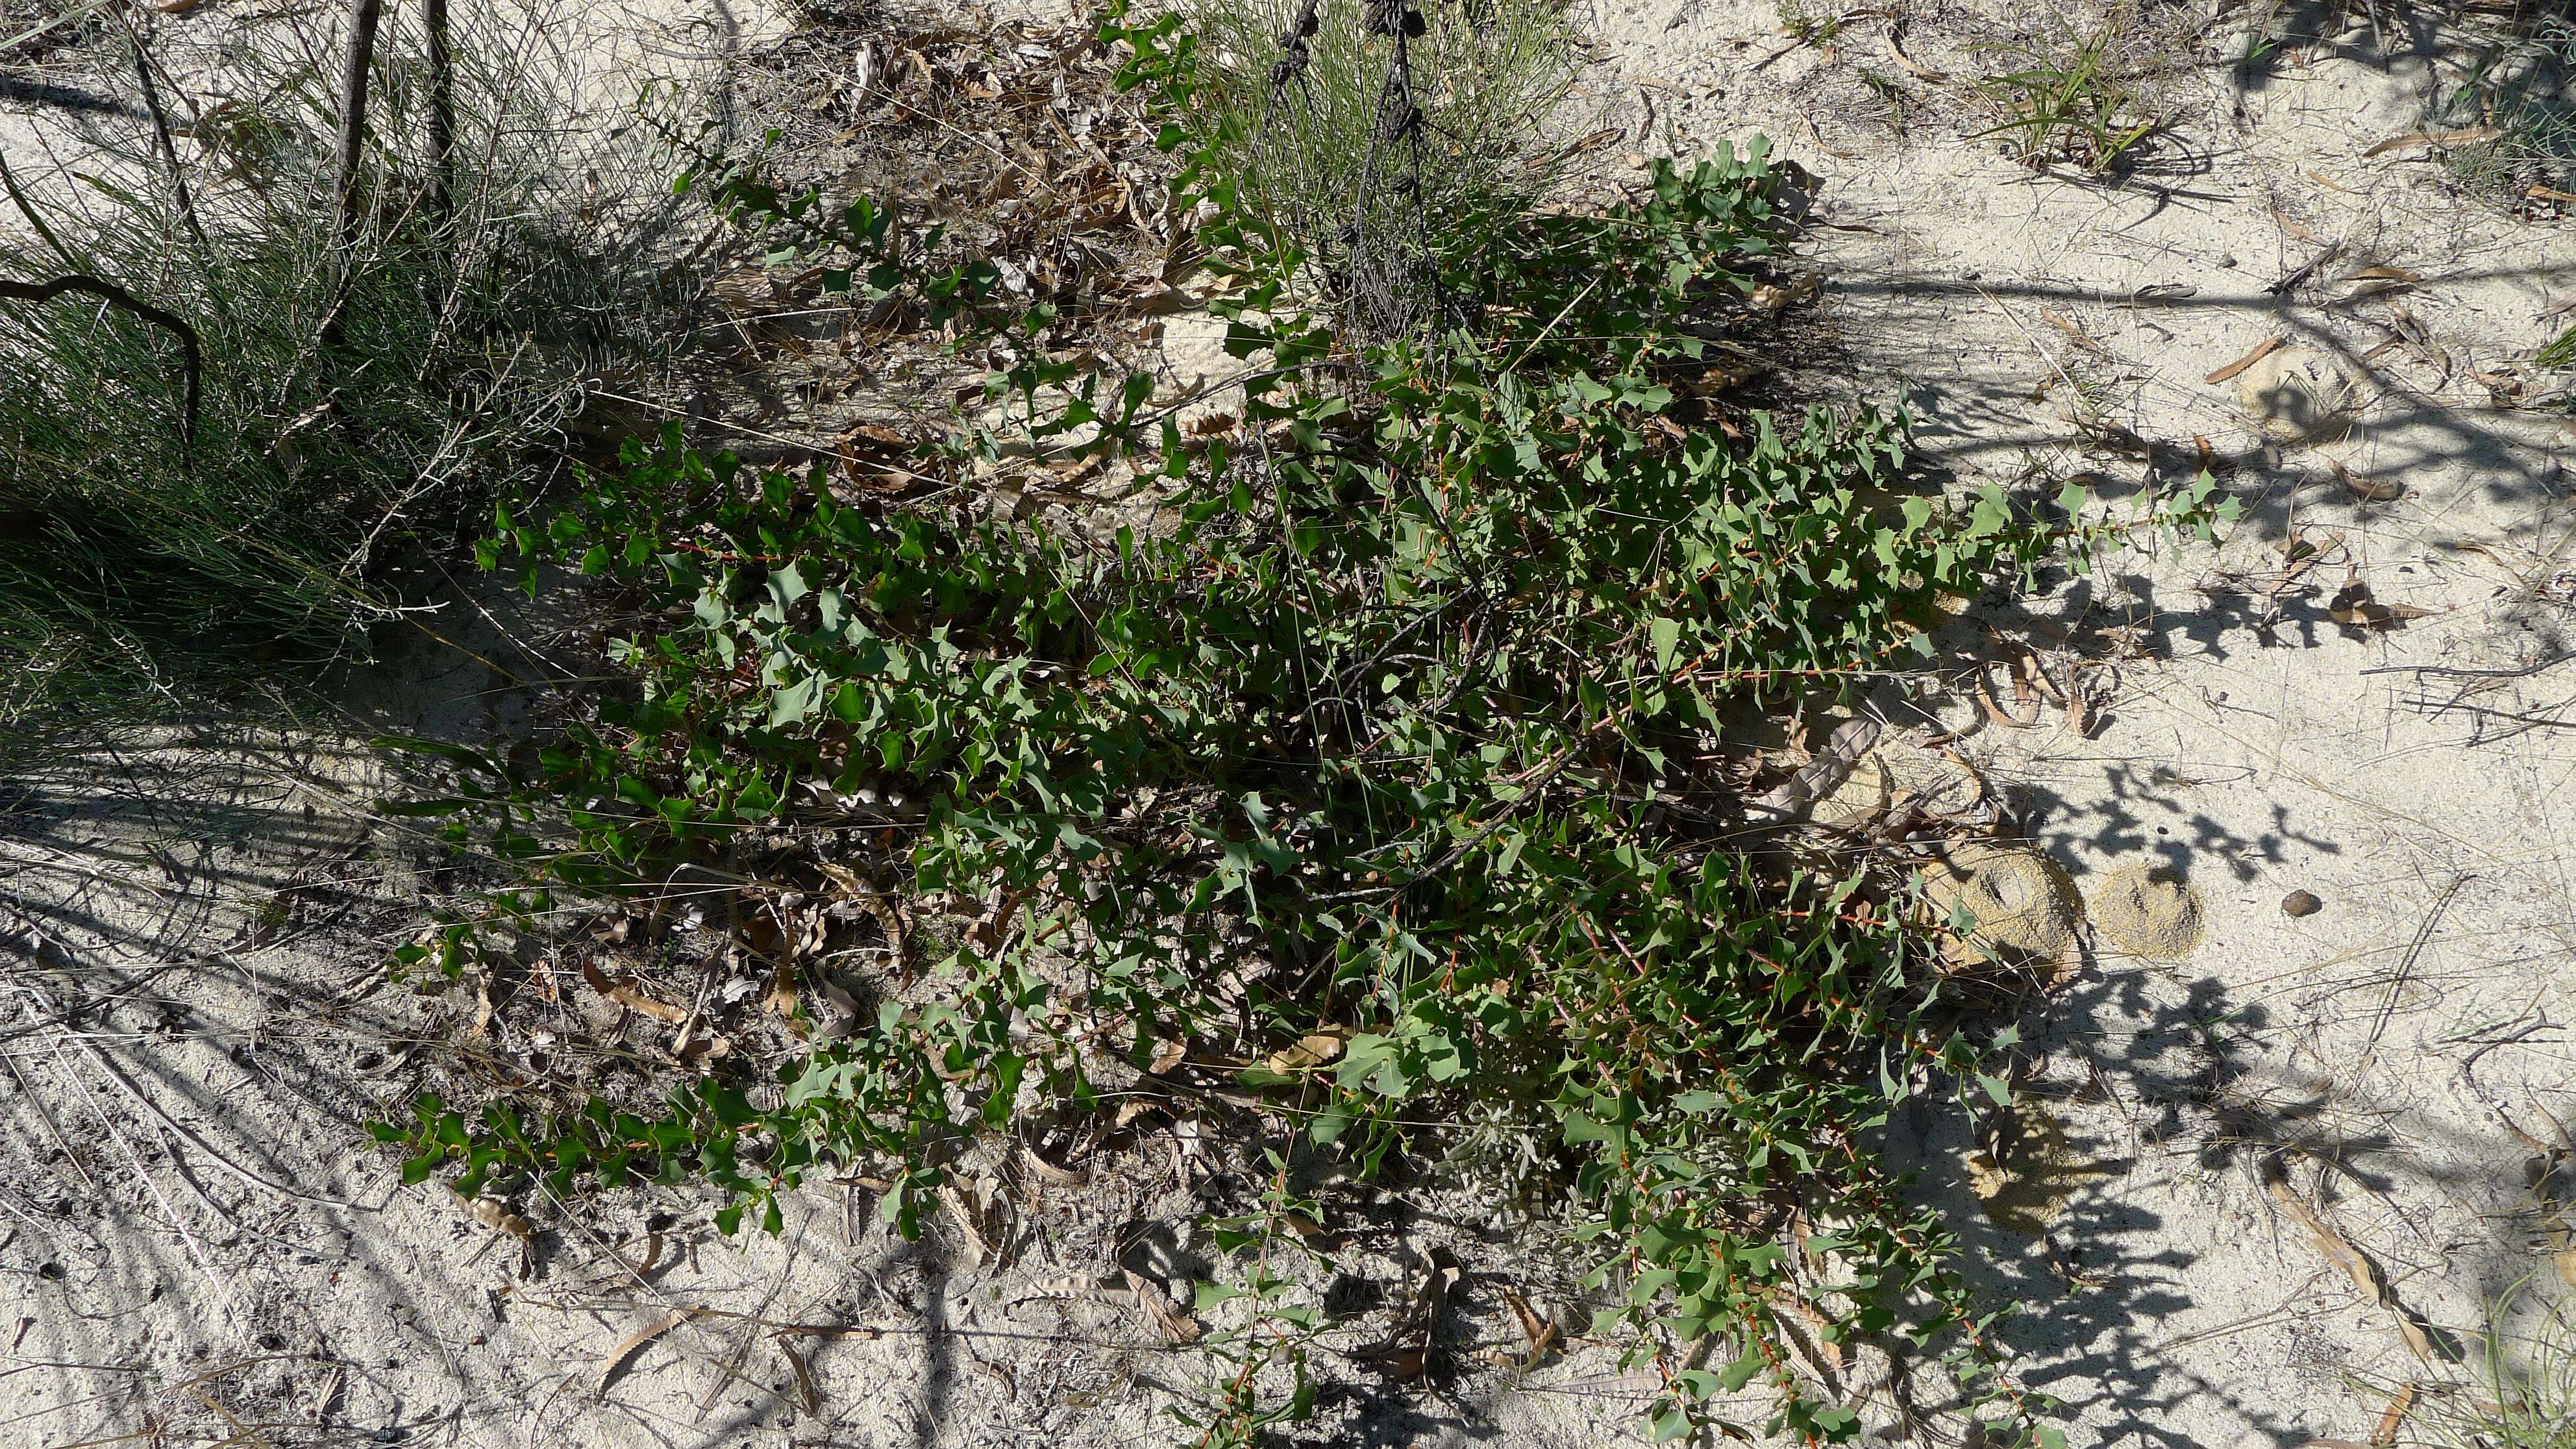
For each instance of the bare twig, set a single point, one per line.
(161, 134)
(357, 65)
(442, 112)
(2447, 672)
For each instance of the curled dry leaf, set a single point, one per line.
(2265, 349)
(627, 996)
(627, 1346)
(2354, 608)
(2358, 1266)
(1166, 1315)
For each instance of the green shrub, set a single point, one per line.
(1397, 757)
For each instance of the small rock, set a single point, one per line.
(2300, 903)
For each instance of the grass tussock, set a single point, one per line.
(352, 400)
(1293, 98)
(2514, 106)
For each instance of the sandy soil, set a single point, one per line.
(198, 1243)
(2386, 1069)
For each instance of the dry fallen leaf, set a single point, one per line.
(2470, 137)
(2356, 1265)
(2265, 349)
(1177, 1326)
(2354, 608)
(627, 1346)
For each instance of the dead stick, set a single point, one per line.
(161, 133)
(442, 111)
(357, 65)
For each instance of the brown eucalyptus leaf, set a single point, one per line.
(2262, 350)
(627, 1346)
(2357, 1265)
(1167, 1316)
(2365, 487)
(2354, 608)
